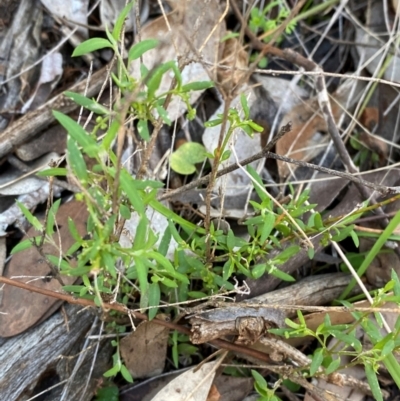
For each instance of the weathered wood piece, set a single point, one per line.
(33, 122)
(50, 351)
(251, 322)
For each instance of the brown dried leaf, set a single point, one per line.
(231, 388)
(193, 385)
(395, 5)
(144, 349)
(305, 141)
(234, 60)
(214, 394)
(20, 49)
(21, 309)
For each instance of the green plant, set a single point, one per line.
(109, 393)
(261, 386)
(363, 153)
(260, 22)
(327, 360)
(112, 196)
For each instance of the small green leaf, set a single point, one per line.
(139, 49)
(111, 39)
(163, 114)
(258, 270)
(141, 233)
(197, 294)
(73, 288)
(154, 81)
(53, 172)
(112, 372)
(125, 374)
(213, 123)
(225, 156)
(143, 130)
(349, 340)
(395, 278)
(77, 133)
(245, 106)
(91, 45)
(164, 262)
(269, 221)
(318, 221)
(21, 246)
(154, 299)
(73, 230)
(255, 127)
(261, 193)
(30, 217)
(51, 217)
(183, 160)
(77, 162)
(127, 184)
(388, 348)
(354, 236)
(125, 212)
(280, 274)
(120, 20)
(142, 272)
(259, 379)
(165, 241)
(111, 135)
(89, 104)
(230, 240)
(373, 382)
(230, 35)
(286, 254)
(343, 233)
(333, 366)
(197, 86)
(316, 362)
(107, 394)
(169, 283)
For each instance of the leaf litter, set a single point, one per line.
(180, 32)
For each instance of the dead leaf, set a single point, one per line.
(372, 40)
(305, 140)
(234, 60)
(286, 94)
(50, 74)
(6, 10)
(395, 5)
(214, 394)
(20, 48)
(144, 350)
(73, 10)
(231, 388)
(21, 309)
(192, 385)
